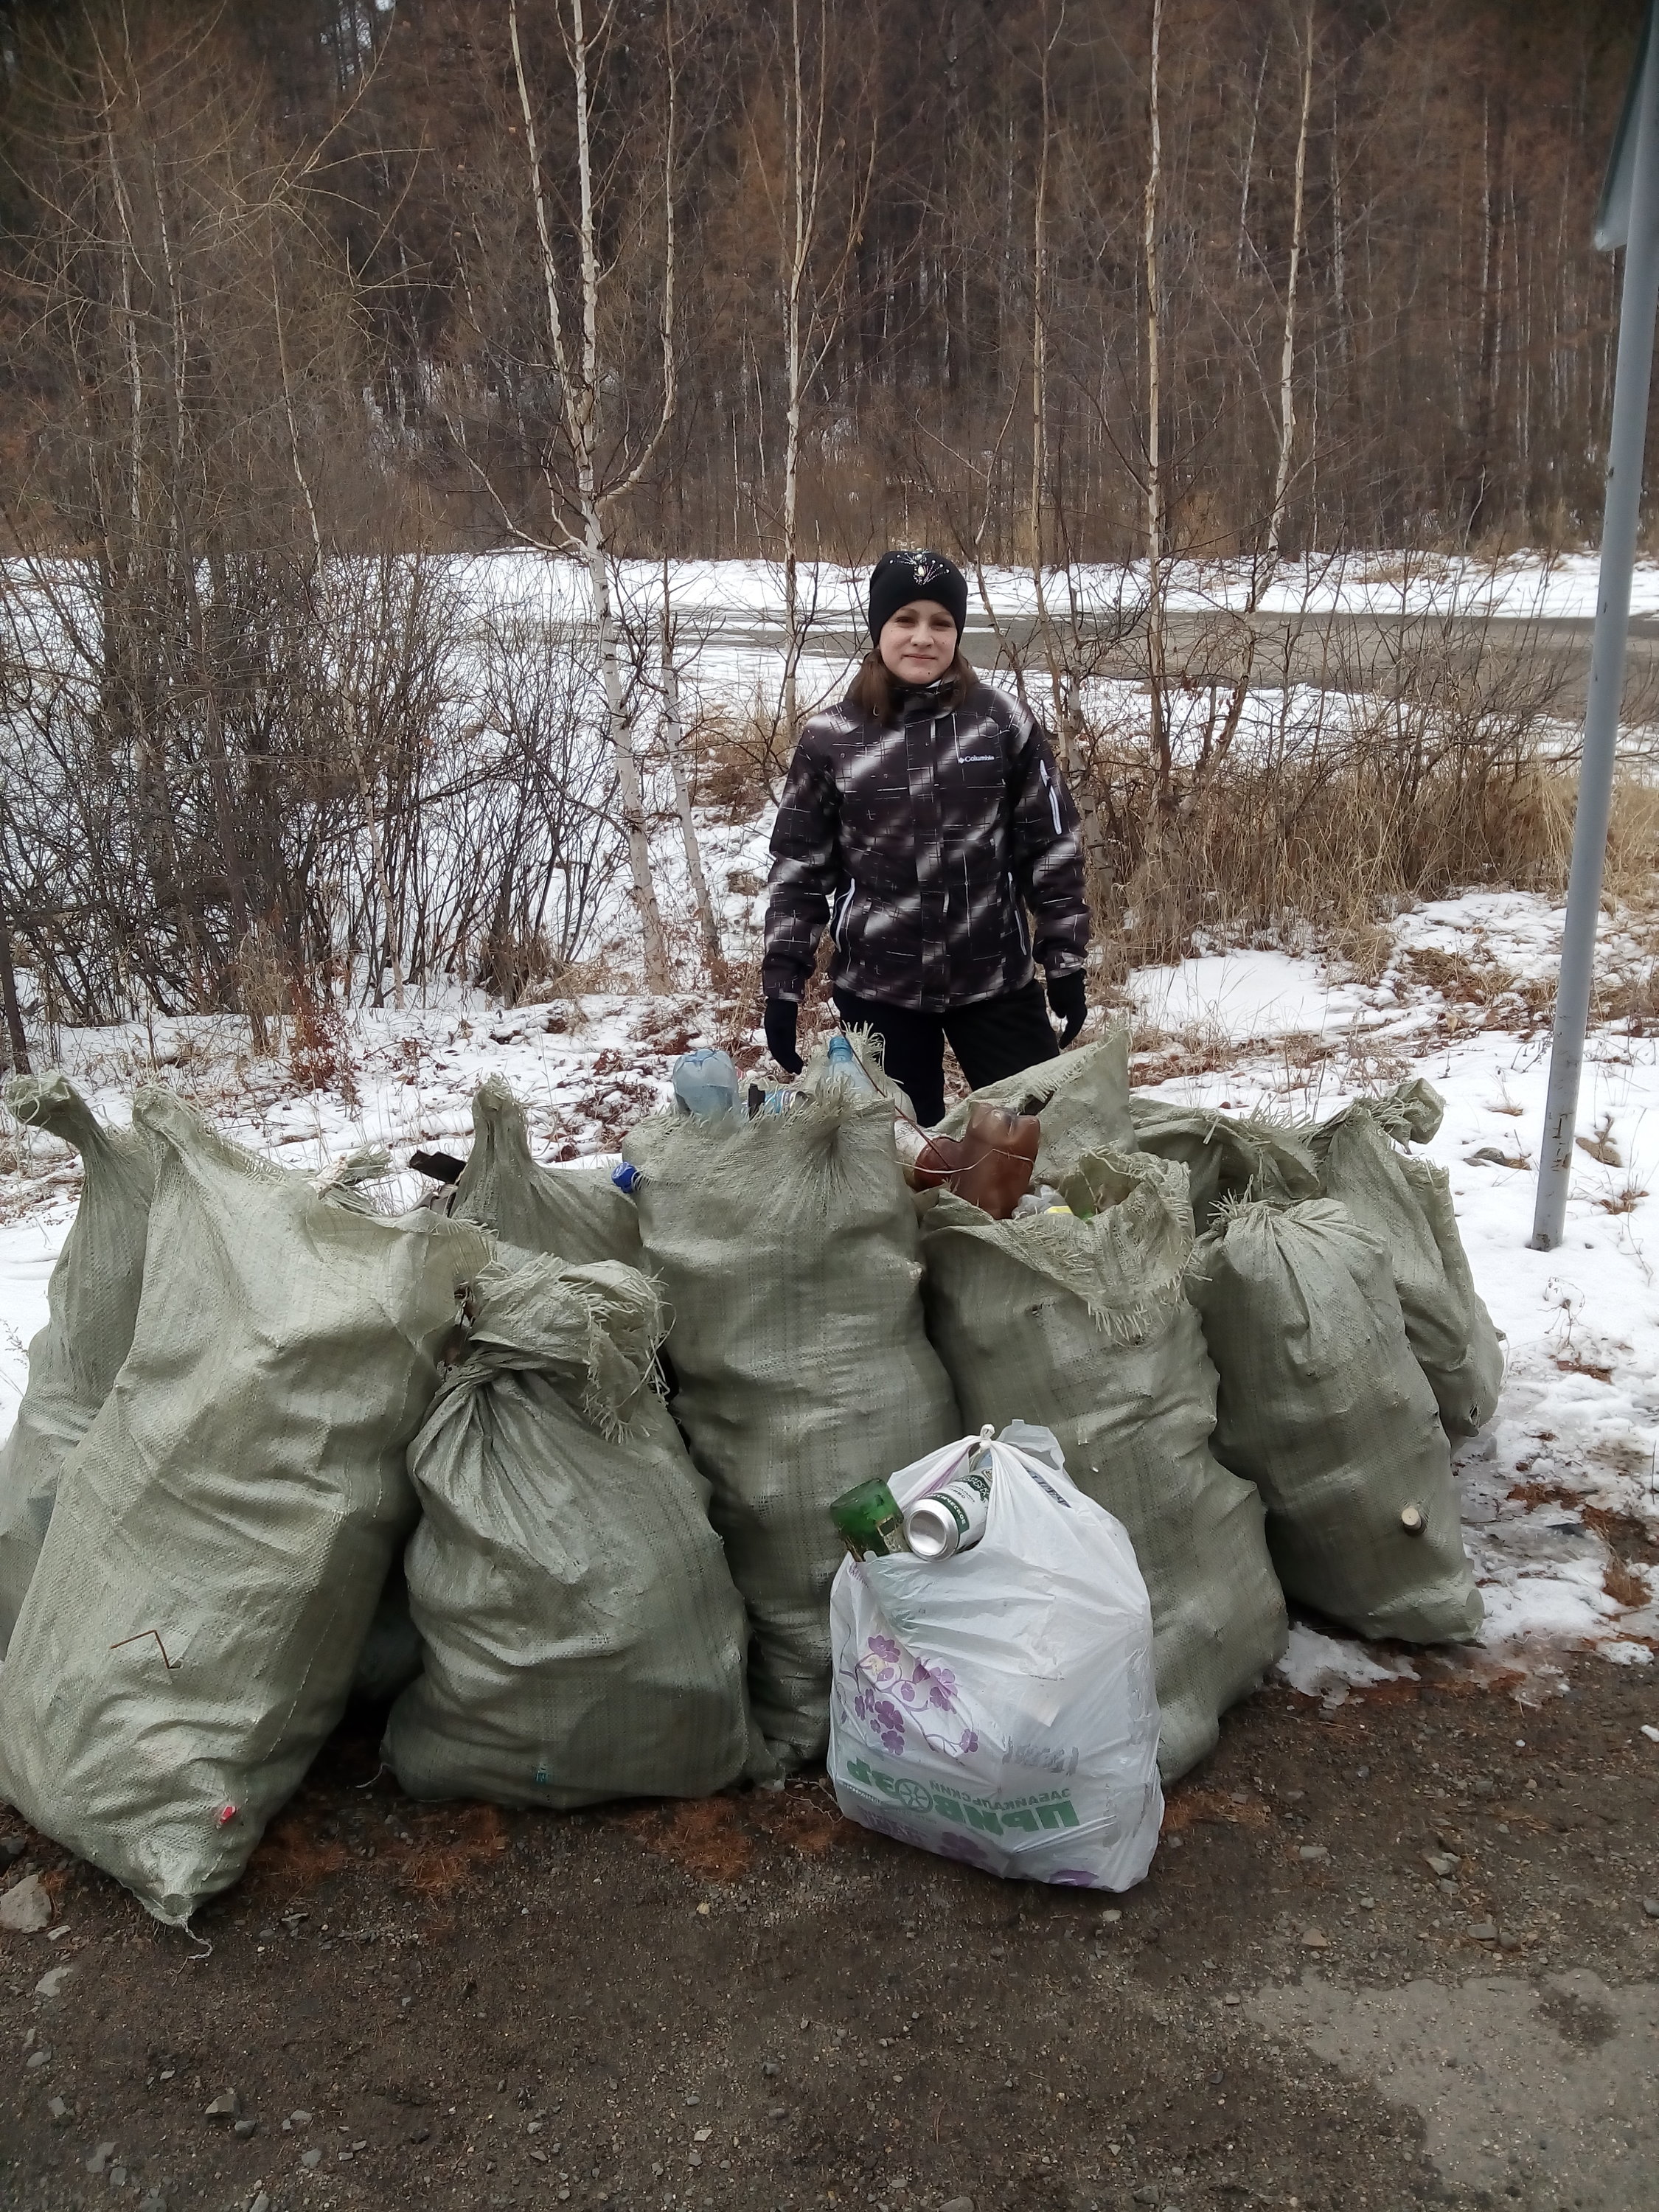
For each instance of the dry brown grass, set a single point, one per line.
(1624, 1586)
(320, 1055)
(1193, 1805)
(1329, 848)
(739, 760)
(1443, 786)
(715, 1838)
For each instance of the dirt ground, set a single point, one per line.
(750, 2002)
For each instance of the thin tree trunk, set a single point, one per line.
(1163, 761)
(580, 397)
(674, 738)
(1493, 165)
(205, 678)
(1219, 743)
(800, 224)
(1287, 352)
(20, 1043)
(377, 857)
(365, 789)
(1243, 241)
(1039, 335)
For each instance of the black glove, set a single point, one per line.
(1069, 1001)
(781, 1015)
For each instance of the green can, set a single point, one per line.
(869, 1521)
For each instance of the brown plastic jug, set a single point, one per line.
(990, 1165)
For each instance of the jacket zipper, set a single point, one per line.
(840, 921)
(1053, 799)
(1019, 915)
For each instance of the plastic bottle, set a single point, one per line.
(626, 1176)
(845, 1068)
(706, 1085)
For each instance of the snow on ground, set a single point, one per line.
(1572, 1459)
(712, 597)
(1561, 1494)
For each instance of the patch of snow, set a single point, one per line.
(1246, 996)
(1314, 1663)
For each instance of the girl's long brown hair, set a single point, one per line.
(877, 691)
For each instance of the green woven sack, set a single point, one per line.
(1082, 1097)
(576, 1214)
(223, 1533)
(787, 1247)
(1225, 1158)
(583, 1638)
(91, 1303)
(1323, 1407)
(1407, 1203)
(1080, 1327)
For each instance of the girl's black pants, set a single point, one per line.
(997, 1038)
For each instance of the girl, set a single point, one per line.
(925, 820)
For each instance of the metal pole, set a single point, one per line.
(1637, 309)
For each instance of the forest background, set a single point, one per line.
(304, 308)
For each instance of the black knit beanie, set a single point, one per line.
(899, 577)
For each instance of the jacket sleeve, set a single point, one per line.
(807, 871)
(1048, 852)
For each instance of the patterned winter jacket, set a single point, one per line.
(923, 846)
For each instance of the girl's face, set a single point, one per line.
(918, 643)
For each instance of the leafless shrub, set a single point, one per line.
(1336, 805)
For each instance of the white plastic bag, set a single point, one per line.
(998, 1707)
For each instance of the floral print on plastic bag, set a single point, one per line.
(890, 1685)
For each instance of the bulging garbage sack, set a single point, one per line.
(1081, 1097)
(91, 1303)
(1225, 1158)
(222, 1534)
(1407, 1203)
(583, 1639)
(1080, 1325)
(577, 1214)
(1323, 1407)
(787, 1249)
(998, 1707)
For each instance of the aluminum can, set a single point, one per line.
(953, 1519)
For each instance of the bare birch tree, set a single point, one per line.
(673, 729)
(829, 140)
(1152, 221)
(1222, 728)
(1287, 351)
(584, 502)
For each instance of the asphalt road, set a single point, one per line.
(1545, 660)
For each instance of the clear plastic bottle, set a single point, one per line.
(706, 1085)
(845, 1068)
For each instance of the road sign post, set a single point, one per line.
(1630, 218)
